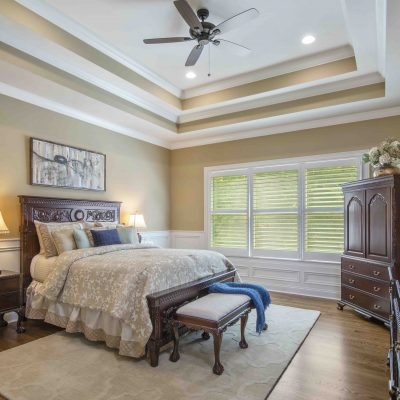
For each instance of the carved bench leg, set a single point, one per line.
(218, 368)
(243, 322)
(205, 335)
(154, 352)
(174, 357)
(20, 328)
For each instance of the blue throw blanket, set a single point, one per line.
(258, 294)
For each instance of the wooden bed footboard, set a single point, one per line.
(162, 305)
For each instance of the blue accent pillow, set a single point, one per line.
(105, 237)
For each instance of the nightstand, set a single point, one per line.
(11, 297)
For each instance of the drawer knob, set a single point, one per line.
(376, 307)
(351, 280)
(377, 288)
(351, 296)
(351, 266)
(377, 273)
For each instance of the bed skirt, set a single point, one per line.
(94, 324)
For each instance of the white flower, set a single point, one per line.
(385, 159)
(374, 155)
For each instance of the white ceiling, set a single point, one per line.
(275, 36)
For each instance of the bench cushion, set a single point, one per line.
(213, 306)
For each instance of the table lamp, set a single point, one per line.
(3, 227)
(137, 221)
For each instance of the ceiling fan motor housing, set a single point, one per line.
(206, 35)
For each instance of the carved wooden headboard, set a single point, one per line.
(50, 209)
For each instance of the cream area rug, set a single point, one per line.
(66, 366)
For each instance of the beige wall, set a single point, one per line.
(187, 165)
(137, 172)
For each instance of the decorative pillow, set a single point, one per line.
(45, 231)
(81, 239)
(64, 240)
(108, 225)
(128, 235)
(90, 236)
(39, 235)
(105, 237)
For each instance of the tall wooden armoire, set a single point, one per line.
(371, 244)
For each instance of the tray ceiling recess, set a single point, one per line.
(312, 63)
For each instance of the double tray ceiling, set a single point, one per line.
(87, 59)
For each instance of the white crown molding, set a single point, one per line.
(50, 13)
(282, 68)
(73, 112)
(332, 84)
(313, 122)
(29, 42)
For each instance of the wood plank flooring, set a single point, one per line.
(343, 358)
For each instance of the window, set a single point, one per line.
(229, 212)
(285, 209)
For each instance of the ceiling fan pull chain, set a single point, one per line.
(209, 60)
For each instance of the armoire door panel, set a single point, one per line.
(354, 213)
(378, 219)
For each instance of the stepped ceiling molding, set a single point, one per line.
(86, 59)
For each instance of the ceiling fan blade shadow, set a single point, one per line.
(235, 47)
(188, 14)
(237, 20)
(167, 40)
(194, 55)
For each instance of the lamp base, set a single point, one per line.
(139, 237)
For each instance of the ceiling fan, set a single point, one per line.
(205, 32)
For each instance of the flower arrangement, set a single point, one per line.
(384, 156)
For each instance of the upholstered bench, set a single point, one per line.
(213, 314)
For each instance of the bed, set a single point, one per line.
(159, 304)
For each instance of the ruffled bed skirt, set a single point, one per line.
(94, 324)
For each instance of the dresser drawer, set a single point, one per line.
(9, 301)
(9, 283)
(372, 286)
(365, 268)
(375, 305)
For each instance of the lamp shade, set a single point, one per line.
(137, 220)
(3, 227)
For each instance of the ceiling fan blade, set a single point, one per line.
(237, 20)
(237, 48)
(194, 55)
(188, 14)
(167, 40)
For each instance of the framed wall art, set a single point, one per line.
(59, 165)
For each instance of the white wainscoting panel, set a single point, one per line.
(9, 254)
(159, 238)
(306, 278)
(188, 240)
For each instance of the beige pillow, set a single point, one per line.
(108, 225)
(39, 235)
(64, 240)
(46, 231)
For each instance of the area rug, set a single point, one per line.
(66, 366)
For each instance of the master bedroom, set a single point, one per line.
(199, 199)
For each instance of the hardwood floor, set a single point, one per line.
(343, 358)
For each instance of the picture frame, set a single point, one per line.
(61, 166)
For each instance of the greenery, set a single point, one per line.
(387, 154)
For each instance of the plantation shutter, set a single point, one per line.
(324, 225)
(228, 218)
(275, 211)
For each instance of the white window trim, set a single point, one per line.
(253, 167)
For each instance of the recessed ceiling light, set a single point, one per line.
(190, 75)
(308, 39)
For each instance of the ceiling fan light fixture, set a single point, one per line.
(190, 75)
(308, 39)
